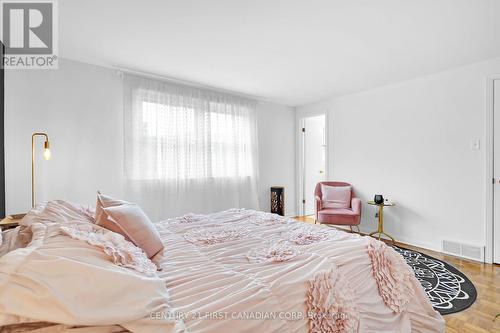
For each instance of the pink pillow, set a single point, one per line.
(105, 201)
(129, 220)
(336, 196)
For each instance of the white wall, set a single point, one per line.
(80, 107)
(276, 153)
(411, 141)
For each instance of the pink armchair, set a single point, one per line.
(350, 216)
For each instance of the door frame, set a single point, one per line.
(300, 118)
(489, 158)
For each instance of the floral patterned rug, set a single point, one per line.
(449, 290)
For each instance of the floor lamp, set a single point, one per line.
(46, 155)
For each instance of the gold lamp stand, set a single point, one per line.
(46, 155)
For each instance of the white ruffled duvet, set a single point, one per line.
(234, 271)
(59, 279)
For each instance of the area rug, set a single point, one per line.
(449, 290)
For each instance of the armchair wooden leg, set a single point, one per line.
(315, 221)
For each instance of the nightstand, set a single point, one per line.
(11, 221)
(380, 230)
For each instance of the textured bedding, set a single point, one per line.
(233, 271)
(227, 271)
(44, 327)
(75, 273)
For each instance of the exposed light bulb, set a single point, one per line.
(46, 153)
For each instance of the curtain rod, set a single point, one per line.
(121, 70)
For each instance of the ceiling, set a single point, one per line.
(284, 51)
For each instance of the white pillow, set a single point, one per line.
(336, 196)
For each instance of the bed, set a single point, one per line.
(233, 271)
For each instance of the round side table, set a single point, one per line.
(380, 229)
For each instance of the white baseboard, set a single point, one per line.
(422, 245)
(408, 241)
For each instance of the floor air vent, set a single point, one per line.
(463, 250)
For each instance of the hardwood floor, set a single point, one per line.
(479, 318)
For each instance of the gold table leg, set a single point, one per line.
(380, 229)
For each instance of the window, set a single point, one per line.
(179, 142)
(188, 149)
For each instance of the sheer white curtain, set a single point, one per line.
(188, 149)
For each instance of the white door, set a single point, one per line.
(496, 172)
(314, 159)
